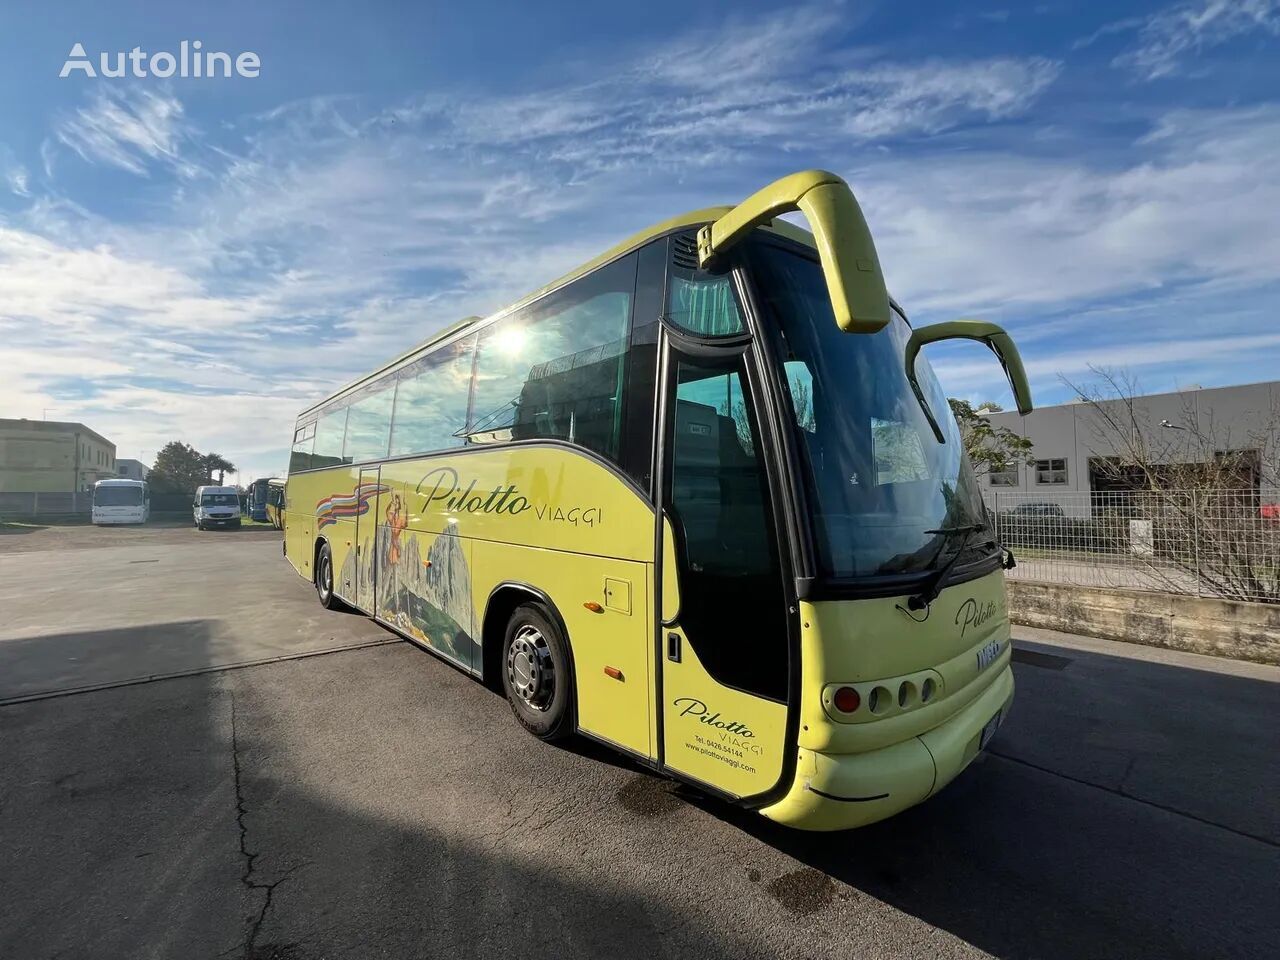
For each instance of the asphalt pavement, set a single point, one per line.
(196, 760)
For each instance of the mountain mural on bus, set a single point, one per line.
(428, 596)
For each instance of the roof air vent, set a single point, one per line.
(684, 250)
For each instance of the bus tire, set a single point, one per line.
(324, 579)
(536, 675)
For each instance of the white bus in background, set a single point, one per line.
(121, 501)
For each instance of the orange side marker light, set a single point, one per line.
(613, 672)
(593, 606)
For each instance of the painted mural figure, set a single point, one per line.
(396, 523)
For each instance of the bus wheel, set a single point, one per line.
(535, 673)
(324, 579)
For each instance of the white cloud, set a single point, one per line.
(328, 236)
(1002, 233)
(783, 81)
(130, 130)
(1167, 38)
(16, 177)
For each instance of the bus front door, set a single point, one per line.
(723, 645)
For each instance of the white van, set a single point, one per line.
(120, 501)
(216, 507)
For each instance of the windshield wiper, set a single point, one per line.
(933, 586)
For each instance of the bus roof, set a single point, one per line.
(120, 482)
(693, 218)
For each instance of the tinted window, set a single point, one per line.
(330, 430)
(431, 400)
(369, 425)
(304, 439)
(642, 363)
(699, 301)
(556, 368)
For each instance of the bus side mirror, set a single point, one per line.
(850, 264)
(993, 335)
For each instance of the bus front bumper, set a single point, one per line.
(840, 791)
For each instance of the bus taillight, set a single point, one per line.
(847, 700)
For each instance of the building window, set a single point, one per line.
(1004, 478)
(1051, 471)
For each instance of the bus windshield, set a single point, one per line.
(219, 500)
(117, 496)
(882, 488)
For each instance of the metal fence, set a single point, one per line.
(53, 506)
(1209, 543)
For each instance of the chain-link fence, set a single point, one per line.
(1212, 543)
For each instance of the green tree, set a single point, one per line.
(179, 468)
(990, 447)
(216, 463)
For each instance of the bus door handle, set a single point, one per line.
(673, 647)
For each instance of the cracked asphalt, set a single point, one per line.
(184, 772)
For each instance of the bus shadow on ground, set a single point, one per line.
(1127, 809)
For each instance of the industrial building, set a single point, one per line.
(51, 456)
(127, 469)
(1072, 445)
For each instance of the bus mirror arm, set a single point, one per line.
(996, 339)
(850, 264)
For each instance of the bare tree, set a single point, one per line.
(1197, 480)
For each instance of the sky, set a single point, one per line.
(201, 258)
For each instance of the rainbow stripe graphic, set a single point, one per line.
(347, 506)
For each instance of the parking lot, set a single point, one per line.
(196, 760)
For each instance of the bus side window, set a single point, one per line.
(369, 424)
(642, 365)
(556, 369)
(431, 400)
(304, 439)
(331, 429)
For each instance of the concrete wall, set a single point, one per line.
(1222, 628)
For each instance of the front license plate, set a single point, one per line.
(989, 731)
(987, 655)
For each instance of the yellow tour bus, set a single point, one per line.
(275, 502)
(700, 500)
